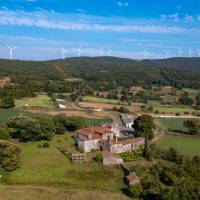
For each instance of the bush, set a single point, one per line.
(98, 158)
(46, 145)
(7, 102)
(136, 190)
(4, 134)
(9, 155)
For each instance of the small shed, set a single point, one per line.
(132, 179)
(111, 159)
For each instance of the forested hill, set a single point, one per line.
(110, 70)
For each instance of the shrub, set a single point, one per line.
(98, 158)
(9, 155)
(46, 145)
(136, 190)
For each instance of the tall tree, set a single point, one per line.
(144, 126)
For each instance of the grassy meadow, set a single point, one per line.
(40, 101)
(172, 124)
(49, 167)
(189, 146)
(52, 193)
(5, 114)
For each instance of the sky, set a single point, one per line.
(136, 29)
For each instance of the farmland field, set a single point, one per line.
(5, 114)
(188, 146)
(40, 101)
(54, 193)
(49, 167)
(173, 124)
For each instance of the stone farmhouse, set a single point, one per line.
(105, 138)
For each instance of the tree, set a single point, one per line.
(47, 128)
(7, 102)
(193, 126)
(198, 101)
(144, 126)
(27, 129)
(9, 155)
(4, 133)
(185, 99)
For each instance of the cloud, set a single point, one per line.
(122, 4)
(80, 22)
(175, 17)
(188, 18)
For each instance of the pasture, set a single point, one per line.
(53, 193)
(171, 124)
(189, 146)
(49, 167)
(5, 114)
(40, 101)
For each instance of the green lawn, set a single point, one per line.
(40, 101)
(173, 109)
(49, 167)
(5, 114)
(186, 145)
(100, 100)
(173, 124)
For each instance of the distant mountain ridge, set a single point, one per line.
(122, 71)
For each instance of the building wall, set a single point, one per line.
(112, 161)
(91, 144)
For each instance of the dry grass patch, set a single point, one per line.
(50, 193)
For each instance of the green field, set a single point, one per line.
(172, 124)
(173, 109)
(100, 100)
(188, 146)
(5, 114)
(40, 101)
(49, 167)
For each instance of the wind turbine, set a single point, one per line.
(179, 52)
(198, 52)
(101, 52)
(79, 51)
(145, 53)
(190, 52)
(11, 50)
(166, 54)
(110, 52)
(63, 51)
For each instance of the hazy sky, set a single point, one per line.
(40, 28)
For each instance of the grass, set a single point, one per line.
(173, 109)
(50, 193)
(173, 124)
(189, 146)
(5, 114)
(40, 101)
(49, 167)
(100, 100)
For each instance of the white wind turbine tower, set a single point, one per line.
(166, 54)
(110, 52)
(190, 52)
(101, 52)
(180, 52)
(79, 51)
(146, 53)
(11, 50)
(198, 52)
(63, 51)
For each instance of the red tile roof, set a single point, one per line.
(132, 177)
